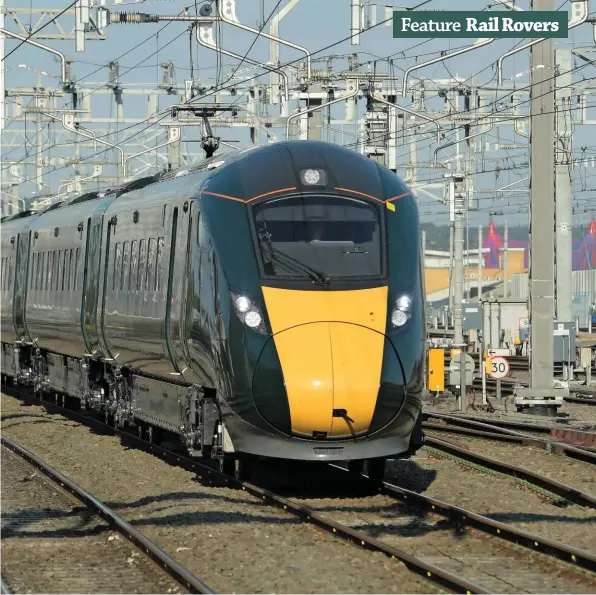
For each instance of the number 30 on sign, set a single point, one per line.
(497, 367)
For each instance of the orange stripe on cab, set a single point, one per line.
(222, 195)
(270, 193)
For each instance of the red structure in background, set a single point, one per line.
(584, 252)
(494, 242)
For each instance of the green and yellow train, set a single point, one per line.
(268, 303)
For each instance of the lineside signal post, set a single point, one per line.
(461, 370)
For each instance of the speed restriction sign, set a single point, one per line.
(499, 368)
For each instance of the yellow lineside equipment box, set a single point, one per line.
(488, 365)
(436, 370)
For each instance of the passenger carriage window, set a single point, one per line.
(58, 286)
(10, 272)
(42, 272)
(32, 270)
(142, 265)
(151, 265)
(63, 270)
(117, 267)
(134, 261)
(159, 269)
(57, 270)
(125, 265)
(76, 267)
(51, 268)
(71, 271)
(67, 258)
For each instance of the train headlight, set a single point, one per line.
(248, 313)
(402, 311)
(253, 319)
(243, 304)
(313, 177)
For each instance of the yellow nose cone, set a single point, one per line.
(330, 345)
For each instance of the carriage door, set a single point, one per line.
(91, 284)
(91, 279)
(178, 286)
(20, 290)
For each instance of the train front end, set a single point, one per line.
(325, 334)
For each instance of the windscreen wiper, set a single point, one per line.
(318, 277)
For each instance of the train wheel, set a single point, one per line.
(356, 467)
(376, 470)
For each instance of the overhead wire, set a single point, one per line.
(218, 88)
(38, 30)
(212, 91)
(349, 145)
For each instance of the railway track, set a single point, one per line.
(550, 486)
(487, 429)
(429, 571)
(32, 511)
(456, 516)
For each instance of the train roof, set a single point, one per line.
(279, 167)
(256, 171)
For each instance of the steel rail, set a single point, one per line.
(585, 391)
(461, 516)
(496, 423)
(556, 487)
(529, 540)
(581, 400)
(173, 568)
(497, 436)
(494, 432)
(425, 569)
(582, 454)
(521, 537)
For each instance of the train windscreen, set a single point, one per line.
(321, 237)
